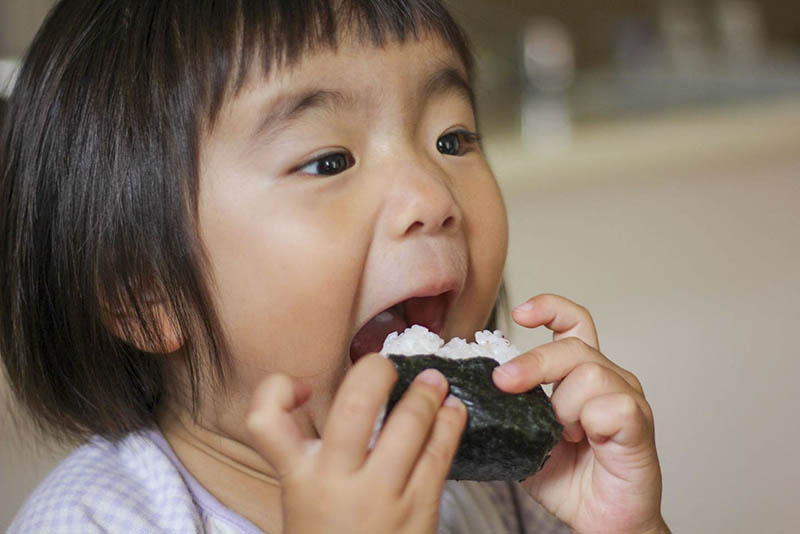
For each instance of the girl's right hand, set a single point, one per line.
(336, 484)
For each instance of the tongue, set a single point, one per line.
(371, 337)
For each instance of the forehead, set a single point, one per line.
(352, 62)
(351, 76)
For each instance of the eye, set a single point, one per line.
(328, 165)
(457, 143)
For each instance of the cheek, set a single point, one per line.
(284, 283)
(490, 229)
(486, 228)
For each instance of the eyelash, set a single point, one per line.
(349, 162)
(466, 139)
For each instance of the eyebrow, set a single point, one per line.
(290, 108)
(447, 80)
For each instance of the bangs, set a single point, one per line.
(230, 39)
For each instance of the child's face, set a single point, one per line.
(335, 190)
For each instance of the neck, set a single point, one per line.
(232, 472)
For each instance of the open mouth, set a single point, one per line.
(429, 312)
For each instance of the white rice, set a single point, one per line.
(419, 340)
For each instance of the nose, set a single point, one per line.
(421, 202)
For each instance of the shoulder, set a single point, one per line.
(125, 486)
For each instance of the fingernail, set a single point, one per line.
(453, 402)
(509, 370)
(432, 377)
(528, 306)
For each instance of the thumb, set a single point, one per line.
(276, 435)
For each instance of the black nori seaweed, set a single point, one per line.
(508, 436)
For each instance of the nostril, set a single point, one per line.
(411, 229)
(448, 223)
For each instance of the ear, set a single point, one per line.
(162, 337)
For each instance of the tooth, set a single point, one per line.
(384, 316)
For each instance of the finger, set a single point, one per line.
(550, 363)
(622, 439)
(619, 418)
(351, 420)
(431, 470)
(273, 429)
(587, 381)
(564, 317)
(406, 431)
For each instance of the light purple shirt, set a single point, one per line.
(138, 485)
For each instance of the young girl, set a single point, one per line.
(211, 213)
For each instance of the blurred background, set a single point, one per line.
(649, 153)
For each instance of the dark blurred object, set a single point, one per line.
(548, 67)
(594, 26)
(627, 59)
(2, 111)
(19, 20)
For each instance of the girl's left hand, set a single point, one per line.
(604, 476)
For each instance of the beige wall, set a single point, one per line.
(24, 461)
(19, 20)
(694, 286)
(692, 272)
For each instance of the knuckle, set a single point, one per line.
(418, 411)
(583, 311)
(591, 374)
(439, 452)
(534, 357)
(553, 299)
(548, 299)
(454, 418)
(633, 380)
(647, 410)
(574, 344)
(443, 444)
(628, 407)
(353, 406)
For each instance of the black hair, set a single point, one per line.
(98, 188)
